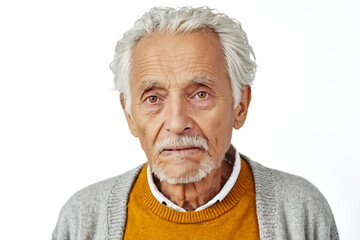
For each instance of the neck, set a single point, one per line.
(190, 196)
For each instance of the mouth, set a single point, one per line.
(181, 149)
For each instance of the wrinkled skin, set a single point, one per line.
(179, 86)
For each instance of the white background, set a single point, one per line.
(62, 127)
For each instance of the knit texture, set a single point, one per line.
(232, 218)
(288, 207)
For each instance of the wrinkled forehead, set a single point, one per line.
(192, 51)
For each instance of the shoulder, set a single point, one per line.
(85, 214)
(96, 196)
(298, 207)
(295, 188)
(287, 187)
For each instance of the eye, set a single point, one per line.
(202, 95)
(152, 99)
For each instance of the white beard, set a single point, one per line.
(205, 167)
(189, 177)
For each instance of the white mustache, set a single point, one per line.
(182, 141)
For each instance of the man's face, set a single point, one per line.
(180, 87)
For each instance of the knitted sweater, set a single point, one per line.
(288, 207)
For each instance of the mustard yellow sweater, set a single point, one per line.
(149, 219)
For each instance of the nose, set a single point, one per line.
(178, 119)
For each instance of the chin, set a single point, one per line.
(182, 171)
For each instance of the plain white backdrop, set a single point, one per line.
(62, 128)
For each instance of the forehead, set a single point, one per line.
(160, 55)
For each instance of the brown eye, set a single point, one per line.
(152, 99)
(202, 95)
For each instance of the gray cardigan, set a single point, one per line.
(288, 207)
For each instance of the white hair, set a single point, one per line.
(238, 54)
(205, 167)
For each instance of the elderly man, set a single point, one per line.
(183, 77)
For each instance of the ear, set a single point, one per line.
(129, 119)
(242, 109)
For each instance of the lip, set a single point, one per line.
(185, 151)
(181, 148)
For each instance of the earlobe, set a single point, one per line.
(128, 117)
(242, 109)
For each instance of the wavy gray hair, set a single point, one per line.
(238, 54)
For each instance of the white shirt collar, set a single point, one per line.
(219, 197)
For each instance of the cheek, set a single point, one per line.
(217, 128)
(148, 129)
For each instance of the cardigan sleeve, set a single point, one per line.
(302, 210)
(84, 216)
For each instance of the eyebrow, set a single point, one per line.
(202, 79)
(199, 79)
(147, 85)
